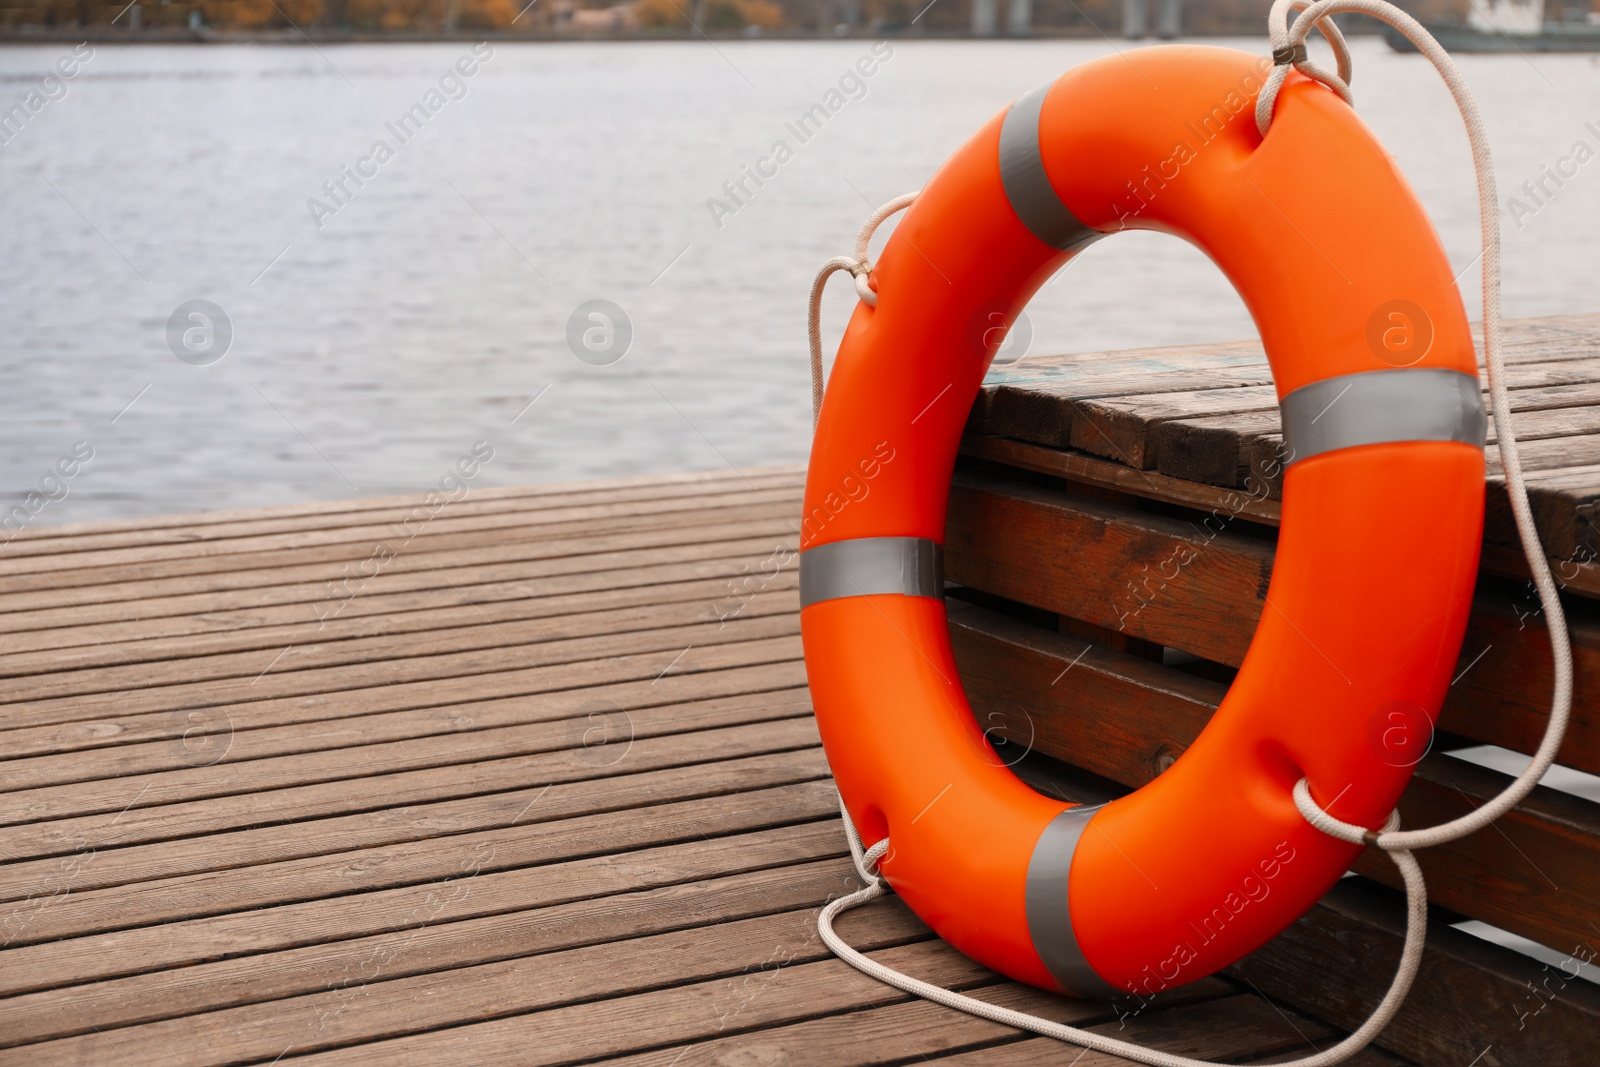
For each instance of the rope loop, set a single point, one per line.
(860, 267)
(1314, 814)
(876, 886)
(1289, 50)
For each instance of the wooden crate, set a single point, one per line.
(1080, 474)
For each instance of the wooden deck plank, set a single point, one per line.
(32, 880)
(1210, 607)
(421, 948)
(28, 678)
(537, 983)
(346, 510)
(440, 517)
(282, 882)
(366, 688)
(168, 750)
(32, 558)
(235, 616)
(1125, 719)
(491, 771)
(1237, 1028)
(130, 590)
(894, 1033)
(206, 738)
(222, 570)
(547, 789)
(555, 736)
(95, 956)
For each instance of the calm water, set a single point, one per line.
(430, 308)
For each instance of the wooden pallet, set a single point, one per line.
(1081, 474)
(539, 786)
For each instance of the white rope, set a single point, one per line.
(867, 866)
(1510, 459)
(1285, 46)
(1288, 43)
(858, 265)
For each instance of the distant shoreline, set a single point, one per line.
(184, 35)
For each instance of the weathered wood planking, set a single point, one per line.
(1072, 665)
(1578, 573)
(1079, 557)
(544, 789)
(1207, 414)
(1042, 398)
(1126, 719)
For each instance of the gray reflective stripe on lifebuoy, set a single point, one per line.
(1027, 185)
(1049, 912)
(910, 566)
(1382, 406)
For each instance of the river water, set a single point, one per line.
(372, 337)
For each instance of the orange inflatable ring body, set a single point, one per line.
(1377, 553)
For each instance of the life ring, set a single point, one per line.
(1376, 558)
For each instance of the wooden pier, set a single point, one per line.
(530, 777)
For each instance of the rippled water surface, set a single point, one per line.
(429, 309)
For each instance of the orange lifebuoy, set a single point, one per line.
(1377, 551)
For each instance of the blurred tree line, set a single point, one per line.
(374, 15)
(632, 17)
